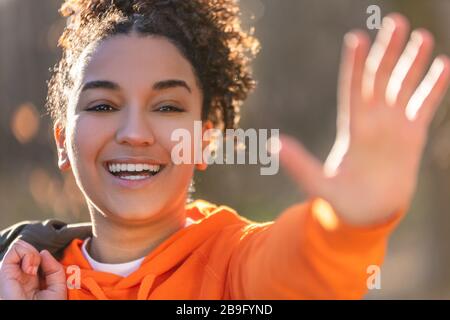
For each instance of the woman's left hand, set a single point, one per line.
(384, 111)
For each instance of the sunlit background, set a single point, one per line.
(296, 72)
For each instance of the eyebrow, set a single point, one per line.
(158, 86)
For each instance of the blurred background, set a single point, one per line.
(296, 72)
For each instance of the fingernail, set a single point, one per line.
(416, 37)
(274, 145)
(389, 23)
(437, 66)
(351, 40)
(443, 58)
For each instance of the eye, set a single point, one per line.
(169, 108)
(101, 108)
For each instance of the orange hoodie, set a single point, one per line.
(307, 253)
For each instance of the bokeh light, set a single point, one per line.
(25, 122)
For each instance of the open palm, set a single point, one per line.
(385, 105)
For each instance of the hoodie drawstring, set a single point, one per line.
(94, 288)
(145, 287)
(143, 293)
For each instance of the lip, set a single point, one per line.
(133, 184)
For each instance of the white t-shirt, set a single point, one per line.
(120, 269)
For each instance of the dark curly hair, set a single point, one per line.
(207, 32)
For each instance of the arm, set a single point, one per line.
(385, 105)
(308, 253)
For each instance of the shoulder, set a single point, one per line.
(205, 210)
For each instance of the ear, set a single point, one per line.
(60, 139)
(206, 126)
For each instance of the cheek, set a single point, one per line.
(164, 129)
(182, 173)
(85, 141)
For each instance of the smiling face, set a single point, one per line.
(130, 95)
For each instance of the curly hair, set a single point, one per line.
(207, 32)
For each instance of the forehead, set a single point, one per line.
(130, 59)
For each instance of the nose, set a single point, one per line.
(135, 129)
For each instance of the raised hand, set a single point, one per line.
(19, 278)
(385, 105)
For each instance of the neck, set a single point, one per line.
(116, 241)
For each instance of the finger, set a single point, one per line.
(31, 259)
(383, 57)
(428, 96)
(410, 68)
(53, 271)
(304, 168)
(355, 50)
(24, 256)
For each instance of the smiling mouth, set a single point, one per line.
(133, 171)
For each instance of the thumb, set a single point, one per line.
(53, 271)
(305, 169)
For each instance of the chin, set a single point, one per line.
(127, 214)
(131, 217)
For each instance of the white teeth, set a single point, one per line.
(134, 177)
(154, 168)
(131, 167)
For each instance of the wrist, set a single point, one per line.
(332, 219)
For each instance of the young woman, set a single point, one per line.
(132, 72)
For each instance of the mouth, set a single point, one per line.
(133, 171)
